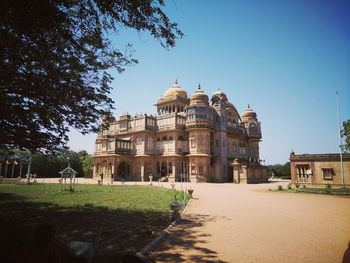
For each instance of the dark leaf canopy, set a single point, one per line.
(54, 62)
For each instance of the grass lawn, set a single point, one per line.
(316, 190)
(127, 217)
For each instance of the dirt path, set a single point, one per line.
(246, 223)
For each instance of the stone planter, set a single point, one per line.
(176, 207)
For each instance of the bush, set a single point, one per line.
(289, 186)
(297, 185)
(279, 188)
(328, 188)
(304, 186)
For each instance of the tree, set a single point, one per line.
(49, 165)
(279, 170)
(86, 161)
(346, 133)
(54, 63)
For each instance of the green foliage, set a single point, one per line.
(279, 170)
(346, 133)
(289, 186)
(279, 187)
(297, 185)
(55, 64)
(50, 165)
(87, 163)
(328, 188)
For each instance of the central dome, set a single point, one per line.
(199, 95)
(174, 91)
(219, 93)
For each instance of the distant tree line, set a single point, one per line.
(15, 163)
(279, 170)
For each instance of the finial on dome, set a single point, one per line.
(176, 81)
(248, 106)
(199, 86)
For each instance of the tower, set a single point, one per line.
(199, 125)
(252, 126)
(219, 103)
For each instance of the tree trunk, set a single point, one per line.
(13, 168)
(20, 169)
(28, 171)
(5, 168)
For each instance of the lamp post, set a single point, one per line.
(340, 143)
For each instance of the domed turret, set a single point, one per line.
(199, 97)
(249, 114)
(219, 93)
(174, 91)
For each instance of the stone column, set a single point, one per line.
(113, 170)
(142, 170)
(94, 169)
(174, 170)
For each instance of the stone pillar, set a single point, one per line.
(142, 170)
(174, 170)
(94, 170)
(113, 170)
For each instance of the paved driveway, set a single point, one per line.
(247, 223)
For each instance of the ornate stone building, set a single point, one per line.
(193, 139)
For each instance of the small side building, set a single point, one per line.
(319, 169)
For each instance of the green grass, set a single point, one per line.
(333, 191)
(129, 216)
(113, 197)
(314, 190)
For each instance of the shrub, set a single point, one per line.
(279, 188)
(289, 186)
(328, 188)
(304, 186)
(297, 185)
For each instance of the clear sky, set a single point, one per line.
(284, 58)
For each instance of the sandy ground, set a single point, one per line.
(247, 223)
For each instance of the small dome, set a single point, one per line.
(174, 91)
(219, 93)
(249, 113)
(200, 95)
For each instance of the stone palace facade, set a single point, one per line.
(193, 139)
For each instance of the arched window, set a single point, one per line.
(170, 138)
(164, 138)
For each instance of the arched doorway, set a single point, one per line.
(123, 170)
(164, 169)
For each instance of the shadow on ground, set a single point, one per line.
(120, 231)
(185, 243)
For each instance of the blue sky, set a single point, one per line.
(284, 58)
